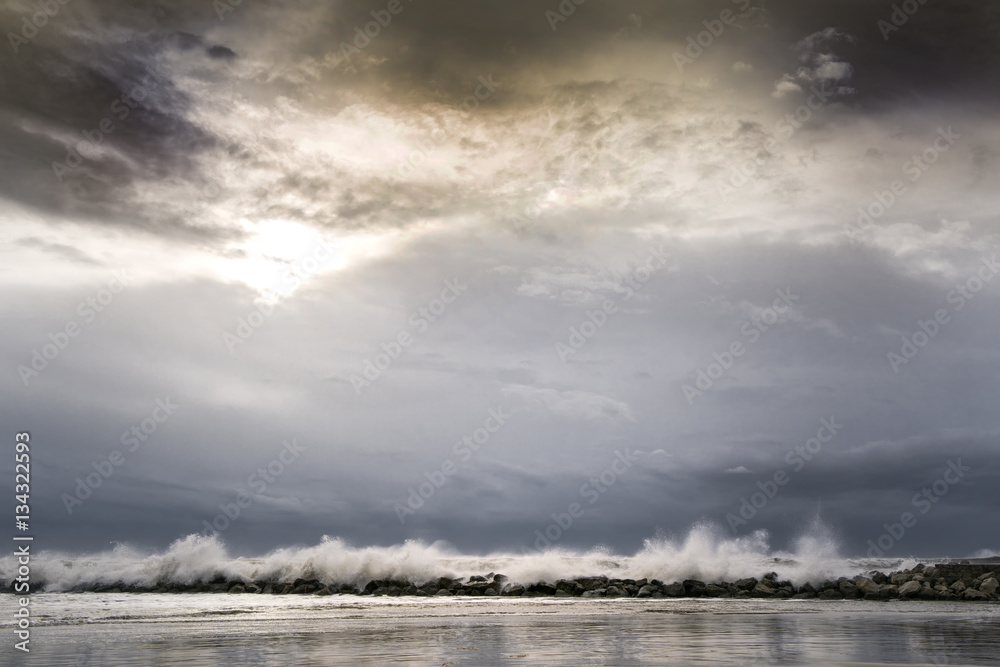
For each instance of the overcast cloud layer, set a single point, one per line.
(527, 210)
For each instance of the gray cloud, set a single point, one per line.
(544, 197)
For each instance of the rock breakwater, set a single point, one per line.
(944, 581)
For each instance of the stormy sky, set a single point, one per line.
(480, 263)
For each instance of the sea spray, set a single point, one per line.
(705, 553)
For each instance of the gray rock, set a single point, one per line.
(899, 578)
(715, 591)
(989, 586)
(746, 584)
(614, 592)
(867, 586)
(848, 590)
(596, 593)
(443, 591)
(674, 590)
(958, 586)
(909, 589)
(593, 583)
(928, 593)
(542, 588)
(647, 591)
(694, 588)
(762, 590)
(572, 587)
(889, 591)
(973, 594)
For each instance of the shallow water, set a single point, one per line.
(204, 629)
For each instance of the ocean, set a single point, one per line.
(110, 627)
(195, 630)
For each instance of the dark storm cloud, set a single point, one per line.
(434, 48)
(606, 150)
(60, 84)
(55, 90)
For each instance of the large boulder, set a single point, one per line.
(909, 589)
(973, 594)
(647, 591)
(867, 586)
(889, 591)
(762, 590)
(674, 590)
(715, 591)
(572, 587)
(593, 583)
(928, 593)
(989, 586)
(694, 588)
(541, 588)
(848, 590)
(746, 584)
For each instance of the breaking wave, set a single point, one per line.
(705, 553)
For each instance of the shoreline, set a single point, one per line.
(942, 582)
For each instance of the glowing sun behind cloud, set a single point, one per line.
(278, 257)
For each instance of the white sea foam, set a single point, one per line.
(705, 553)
